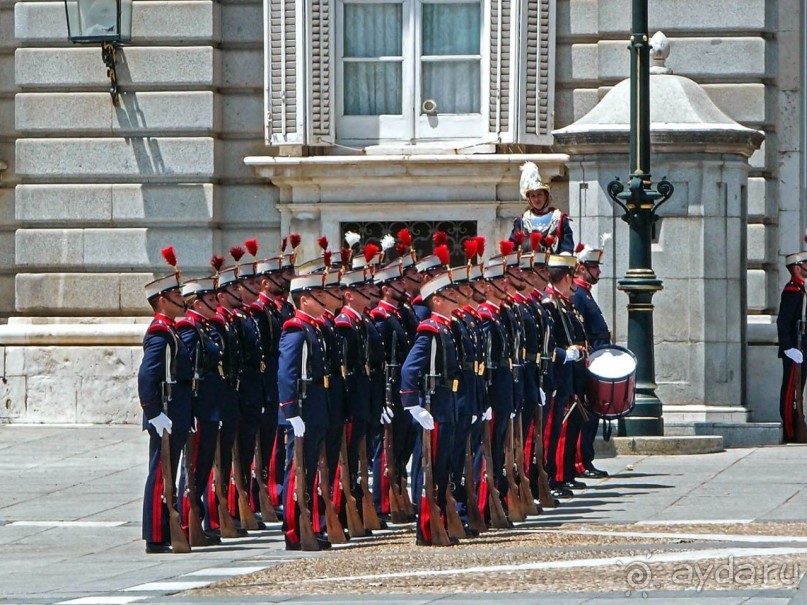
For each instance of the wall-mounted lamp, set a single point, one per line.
(106, 21)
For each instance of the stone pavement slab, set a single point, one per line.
(57, 480)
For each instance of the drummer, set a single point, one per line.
(587, 274)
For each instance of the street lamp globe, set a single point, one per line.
(94, 21)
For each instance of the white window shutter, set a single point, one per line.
(321, 127)
(537, 77)
(500, 52)
(298, 79)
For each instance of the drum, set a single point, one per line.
(611, 384)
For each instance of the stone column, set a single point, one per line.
(699, 250)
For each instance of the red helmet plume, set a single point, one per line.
(401, 249)
(252, 246)
(283, 243)
(518, 238)
(470, 247)
(506, 246)
(322, 242)
(294, 240)
(217, 262)
(236, 252)
(370, 251)
(326, 257)
(440, 238)
(480, 245)
(535, 239)
(549, 241)
(579, 247)
(442, 253)
(345, 254)
(404, 237)
(170, 256)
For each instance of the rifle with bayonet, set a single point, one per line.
(497, 516)
(336, 533)
(267, 510)
(308, 540)
(398, 514)
(226, 523)
(524, 493)
(248, 520)
(513, 503)
(475, 520)
(354, 522)
(179, 543)
(195, 533)
(438, 531)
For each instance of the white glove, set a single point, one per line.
(474, 418)
(512, 415)
(488, 414)
(161, 423)
(423, 417)
(386, 415)
(572, 354)
(194, 422)
(298, 425)
(796, 355)
(543, 396)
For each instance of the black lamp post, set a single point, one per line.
(640, 203)
(108, 22)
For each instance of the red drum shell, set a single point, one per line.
(611, 398)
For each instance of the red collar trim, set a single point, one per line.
(440, 319)
(195, 316)
(417, 300)
(164, 319)
(303, 316)
(536, 295)
(797, 280)
(550, 290)
(519, 297)
(351, 311)
(582, 283)
(383, 304)
(327, 315)
(490, 305)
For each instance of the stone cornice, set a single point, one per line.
(391, 169)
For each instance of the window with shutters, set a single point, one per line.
(373, 71)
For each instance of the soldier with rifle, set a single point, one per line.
(164, 389)
(469, 342)
(429, 383)
(303, 384)
(566, 413)
(210, 392)
(394, 448)
(792, 346)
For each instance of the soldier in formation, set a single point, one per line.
(369, 387)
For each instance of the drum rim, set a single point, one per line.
(617, 378)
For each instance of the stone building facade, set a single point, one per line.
(234, 122)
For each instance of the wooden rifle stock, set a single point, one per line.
(226, 524)
(438, 531)
(336, 533)
(308, 541)
(248, 520)
(195, 532)
(524, 493)
(513, 502)
(179, 543)
(475, 520)
(267, 510)
(453, 521)
(354, 522)
(409, 509)
(396, 505)
(368, 513)
(497, 516)
(544, 491)
(801, 428)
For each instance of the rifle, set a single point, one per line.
(179, 543)
(801, 429)
(524, 492)
(267, 510)
(248, 520)
(438, 531)
(354, 524)
(497, 516)
(226, 524)
(197, 535)
(544, 493)
(475, 520)
(397, 506)
(513, 503)
(336, 533)
(308, 540)
(368, 513)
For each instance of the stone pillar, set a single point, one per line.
(699, 250)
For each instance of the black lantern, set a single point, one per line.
(108, 22)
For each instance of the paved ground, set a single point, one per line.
(70, 513)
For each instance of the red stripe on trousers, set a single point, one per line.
(271, 473)
(559, 477)
(290, 509)
(385, 505)
(548, 430)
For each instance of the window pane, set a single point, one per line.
(373, 30)
(451, 29)
(372, 89)
(453, 85)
